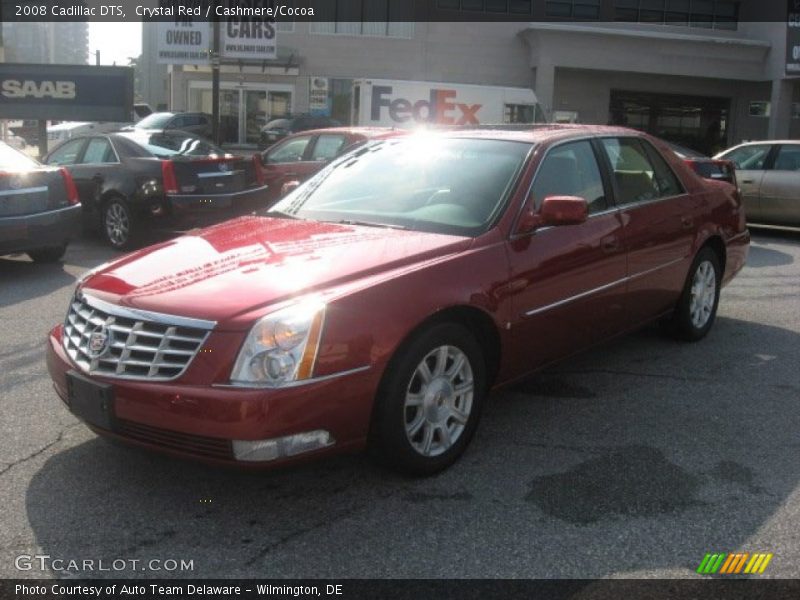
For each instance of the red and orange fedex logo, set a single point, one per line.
(439, 108)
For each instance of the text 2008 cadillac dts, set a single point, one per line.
(380, 302)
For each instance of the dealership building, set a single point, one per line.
(703, 73)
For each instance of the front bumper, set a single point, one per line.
(201, 421)
(42, 230)
(186, 211)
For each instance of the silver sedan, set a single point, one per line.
(768, 174)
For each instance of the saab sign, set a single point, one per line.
(441, 106)
(66, 92)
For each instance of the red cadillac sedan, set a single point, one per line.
(379, 303)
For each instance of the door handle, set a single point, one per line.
(747, 181)
(97, 177)
(687, 222)
(609, 244)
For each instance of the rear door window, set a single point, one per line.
(98, 151)
(788, 158)
(639, 176)
(327, 146)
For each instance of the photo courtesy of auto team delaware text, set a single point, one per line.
(381, 298)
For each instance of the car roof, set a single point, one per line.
(520, 133)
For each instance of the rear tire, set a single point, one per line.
(48, 255)
(429, 403)
(697, 308)
(118, 224)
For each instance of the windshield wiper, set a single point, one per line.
(286, 215)
(366, 223)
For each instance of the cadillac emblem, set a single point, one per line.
(99, 341)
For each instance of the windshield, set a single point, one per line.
(426, 183)
(13, 160)
(170, 145)
(154, 121)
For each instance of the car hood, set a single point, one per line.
(227, 271)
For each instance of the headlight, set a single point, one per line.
(281, 347)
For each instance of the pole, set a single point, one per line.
(97, 57)
(42, 135)
(215, 84)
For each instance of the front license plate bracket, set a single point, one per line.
(91, 401)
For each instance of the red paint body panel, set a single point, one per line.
(547, 294)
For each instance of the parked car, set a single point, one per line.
(196, 123)
(297, 157)
(39, 211)
(277, 129)
(61, 132)
(710, 168)
(378, 303)
(769, 179)
(137, 180)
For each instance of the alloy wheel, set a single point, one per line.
(703, 294)
(117, 224)
(438, 400)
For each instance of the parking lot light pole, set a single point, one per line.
(41, 127)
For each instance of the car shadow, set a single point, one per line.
(664, 451)
(759, 256)
(22, 279)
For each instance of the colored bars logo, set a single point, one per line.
(731, 564)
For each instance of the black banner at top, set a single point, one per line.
(719, 14)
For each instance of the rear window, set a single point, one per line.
(169, 145)
(14, 160)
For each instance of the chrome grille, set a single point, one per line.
(136, 344)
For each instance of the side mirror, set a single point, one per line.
(555, 211)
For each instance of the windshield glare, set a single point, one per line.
(421, 182)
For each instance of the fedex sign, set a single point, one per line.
(440, 107)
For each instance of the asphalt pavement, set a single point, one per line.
(632, 460)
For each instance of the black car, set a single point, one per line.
(705, 166)
(131, 181)
(277, 129)
(39, 210)
(196, 123)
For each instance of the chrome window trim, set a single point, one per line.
(217, 174)
(75, 207)
(630, 205)
(290, 384)
(145, 315)
(601, 288)
(20, 191)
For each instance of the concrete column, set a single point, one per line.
(780, 114)
(544, 87)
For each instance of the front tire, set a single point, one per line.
(118, 224)
(697, 308)
(429, 405)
